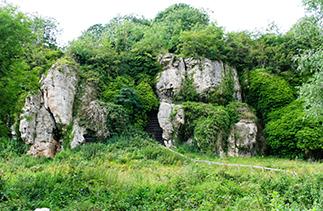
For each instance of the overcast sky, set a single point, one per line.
(76, 16)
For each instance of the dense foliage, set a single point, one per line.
(290, 133)
(266, 92)
(208, 125)
(121, 57)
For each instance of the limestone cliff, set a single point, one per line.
(206, 76)
(47, 114)
(49, 111)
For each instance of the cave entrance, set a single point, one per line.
(153, 127)
(89, 136)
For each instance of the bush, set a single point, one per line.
(289, 133)
(202, 43)
(208, 126)
(138, 100)
(187, 91)
(147, 96)
(266, 92)
(117, 118)
(209, 134)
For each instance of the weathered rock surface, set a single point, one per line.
(93, 120)
(49, 111)
(206, 74)
(170, 117)
(37, 127)
(59, 88)
(242, 140)
(170, 80)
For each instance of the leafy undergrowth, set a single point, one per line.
(132, 172)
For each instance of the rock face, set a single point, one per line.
(170, 118)
(207, 75)
(91, 123)
(242, 140)
(59, 89)
(37, 127)
(46, 113)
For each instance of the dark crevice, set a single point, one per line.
(57, 132)
(153, 127)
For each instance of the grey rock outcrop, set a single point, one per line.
(79, 130)
(91, 117)
(207, 75)
(242, 140)
(94, 120)
(59, 89)
(170, 118)
(37, 127)
(48, 112)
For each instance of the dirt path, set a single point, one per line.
(231, 164)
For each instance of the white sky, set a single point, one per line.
(76, 16)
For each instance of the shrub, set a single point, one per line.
(208, 126)
(289, 133)
(224, 93)
(117, 118)
(198, 43)
(9, 147)
(267, 92)
(187, 91)
(208, 134)
(147, 96)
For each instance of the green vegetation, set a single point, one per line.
(281, 77)
(267, 92)
(133, 172)
(206, 42)
(290, 133)
(209, 125)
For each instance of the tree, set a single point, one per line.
(178, 18)
(27, 48)
(311, 64)
(15, 33)
(45, 30)
(315, 7)
(238, 48)
(205, 42)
